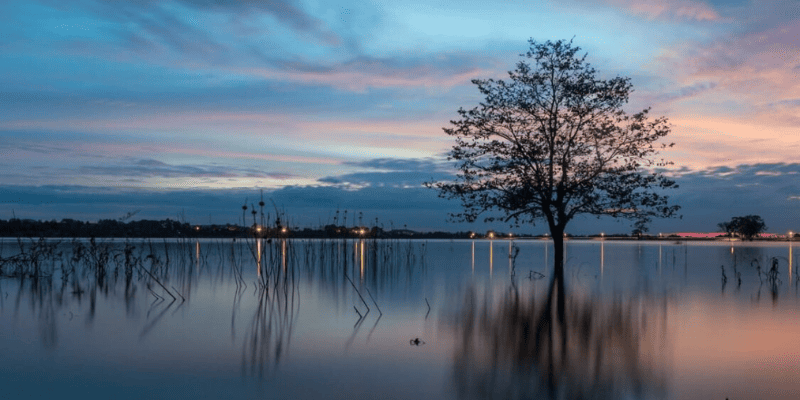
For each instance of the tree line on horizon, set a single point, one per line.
(168, 228)
(746, 227)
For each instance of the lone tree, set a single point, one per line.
(554, 142)
(747, 227)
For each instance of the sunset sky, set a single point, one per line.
(189, 107)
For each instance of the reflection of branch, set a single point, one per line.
(359, 293)
(373, 300)
(237, 298)
(360, 317)
(356, 327)
(155, 320)
(373, 327)
(429, 308)
(158, 282)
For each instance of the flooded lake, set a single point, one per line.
(398, 319)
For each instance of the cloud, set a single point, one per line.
(381, 179)
(662, 97)
(401, 164)
(358, 73)
(707, 196)
(670, 10)
(394, 172)
(754, 65)
(159, 21)
(284, 11)
(702, 140)
(739, 74)
(152, 168)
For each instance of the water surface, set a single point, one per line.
(398, 319)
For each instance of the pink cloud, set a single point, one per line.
(273, 137)
(223, 154)
(762, 65)
(668, 9)
(702, 142)
(359, 80)
(416, 129)
(739, 100)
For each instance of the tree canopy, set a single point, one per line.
(747, 227)
(553, 142)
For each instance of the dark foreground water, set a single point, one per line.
(398, 319)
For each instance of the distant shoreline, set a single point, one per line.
(163, 229)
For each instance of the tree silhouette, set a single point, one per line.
(748, 226)
(554, 142)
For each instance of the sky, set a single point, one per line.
(190, 108)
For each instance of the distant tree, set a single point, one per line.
(554, 142)
(725, 227)
(746, 227)
(640, 228)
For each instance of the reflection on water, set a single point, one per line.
(559, 346)
(334, 318)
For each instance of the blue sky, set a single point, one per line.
(193, 106)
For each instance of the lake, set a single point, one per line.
(398, 319)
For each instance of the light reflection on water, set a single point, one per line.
(336, 319)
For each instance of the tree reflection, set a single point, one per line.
(559, 346)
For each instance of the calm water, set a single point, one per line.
(438, 319)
